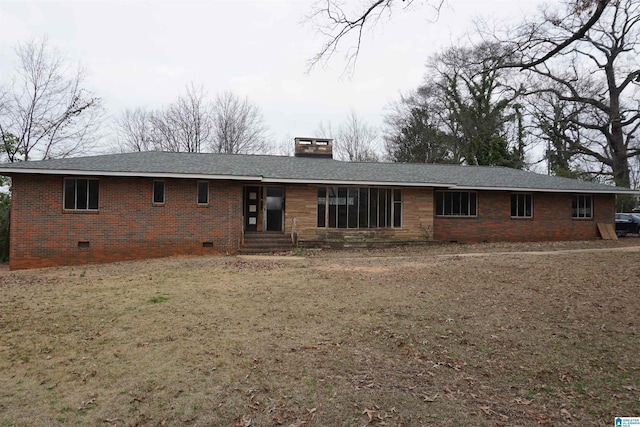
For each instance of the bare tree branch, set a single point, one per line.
(356, 140)
(597, 74)
(238, 126)
(46, 112)
(335, 24)
(134, 131)
(577, 34)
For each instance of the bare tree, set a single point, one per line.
(552, 126)
(356, 140)
(324, 130)
(338, 24)
(285, 146)
(134, 130)
(635, 175)
(579, 17)
(599, 76)
(185, 125)
(45, 111)
(193, 124)
(238, 127)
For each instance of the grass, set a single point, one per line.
(411, 337)
(157, 299)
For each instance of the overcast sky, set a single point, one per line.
(144, 54)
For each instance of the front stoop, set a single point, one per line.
(264, 243)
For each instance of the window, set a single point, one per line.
(158, 192)
(581, 206)
(359, 207)
(521, 205)
(322, 207)
(456, 203)
(203, 192)
(80, 194)
(397, 208)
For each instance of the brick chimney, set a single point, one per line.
(321, 148)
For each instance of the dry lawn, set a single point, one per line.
(403, 337)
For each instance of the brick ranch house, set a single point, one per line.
(153, 204)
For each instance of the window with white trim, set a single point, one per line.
(158, 192)
(81, 194)
(521, 205)
(203, 192)
(456, 203)
(582, 206)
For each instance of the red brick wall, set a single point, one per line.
(127, 224)
(551, 220)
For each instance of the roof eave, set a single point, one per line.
(73, 172)
(613, 190)
(347, 182)
(258, 178)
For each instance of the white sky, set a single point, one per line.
(143, 54)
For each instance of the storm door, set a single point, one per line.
(274, 209)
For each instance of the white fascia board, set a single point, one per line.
(342, 182)
(548, 190)
(129, 174)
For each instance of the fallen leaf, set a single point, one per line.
(245, 421)
(369, 413)
(431, 399)
(486, 410)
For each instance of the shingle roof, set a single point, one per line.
(305, 170)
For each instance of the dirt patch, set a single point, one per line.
(409, 337)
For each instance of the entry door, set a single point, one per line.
(252, 201)
(274, 209)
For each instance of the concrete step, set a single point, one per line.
(256, 243)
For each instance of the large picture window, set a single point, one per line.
(359, 207)
(582, 206)
(81, 194)
(521, 205)
(456, 203)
